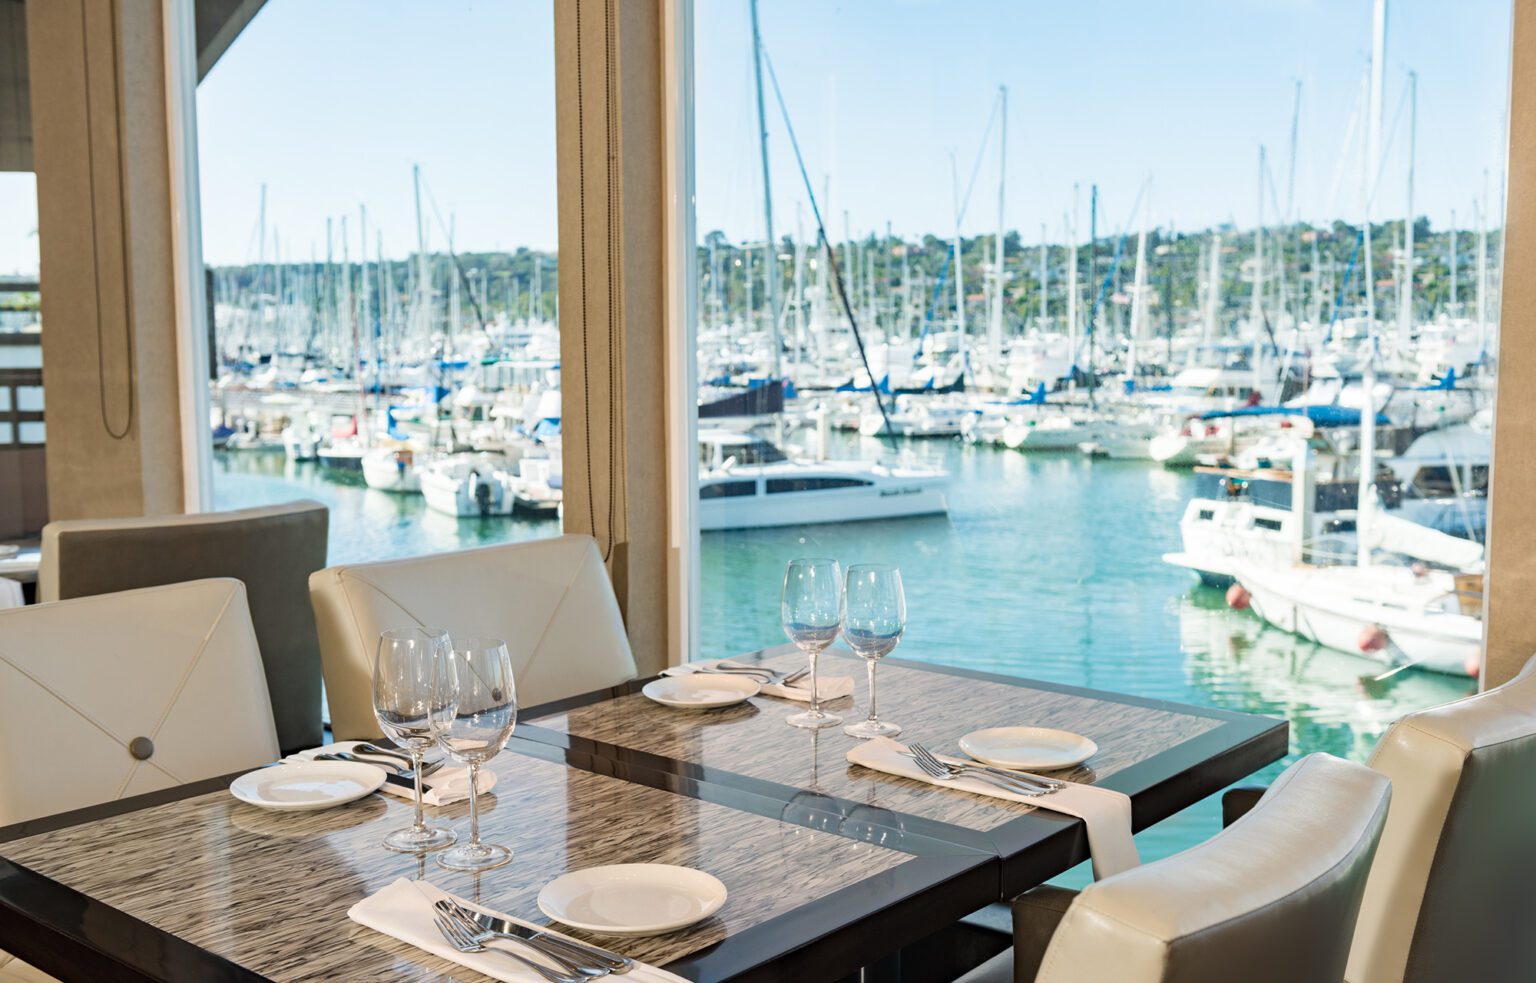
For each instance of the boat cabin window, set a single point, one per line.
(728, 489)
(777, 485)
(1437, 482)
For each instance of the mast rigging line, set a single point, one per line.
(453, 257)
(821, 233)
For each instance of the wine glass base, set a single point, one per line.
(865, 729)
(813, 721)
(472, 857)
(423, 840)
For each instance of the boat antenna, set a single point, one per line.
(821, 233)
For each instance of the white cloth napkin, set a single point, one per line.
(404, 911)
(1106, 813)
(443, 787)
(827, 687)
(10, 594)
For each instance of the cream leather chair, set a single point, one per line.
(1450, 894)
(272, 549)
(550, 599)
(130, 692)
(1271, 899)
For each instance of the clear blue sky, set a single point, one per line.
(331, 103)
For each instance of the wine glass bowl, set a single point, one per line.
(473, 714)
(403, 679)
(811, 611)
(875, 619)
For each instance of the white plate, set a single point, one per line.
(302, 786)
(699, 690)
(632, 899)
(1028, 748)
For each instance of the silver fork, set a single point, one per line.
(946, 772)
(570, 954)
(464, 942)
(400, 770)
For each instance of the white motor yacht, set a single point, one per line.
(748, 483)
(466, 485)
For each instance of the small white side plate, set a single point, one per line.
(1028, 748)
(632, 899)
(302, 786)
(699, 690)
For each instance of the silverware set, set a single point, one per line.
(1008, 781)
(577, 962)
(768, 676)
(401, 771)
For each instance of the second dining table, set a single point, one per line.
(830, 867)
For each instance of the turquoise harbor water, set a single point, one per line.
(1048, 566)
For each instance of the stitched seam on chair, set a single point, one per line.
(533, 656)
(181, 684)
(64, 700)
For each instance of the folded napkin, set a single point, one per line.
(404, 911)
(443, 787)
(827, 687)
(1106, 813)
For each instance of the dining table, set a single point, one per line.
(831, 869)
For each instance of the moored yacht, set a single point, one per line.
(746, 482)
(466, 485)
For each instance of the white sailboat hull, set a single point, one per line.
(1339, 606)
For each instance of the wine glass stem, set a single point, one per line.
(869, 665)
(420, 824)
(815, 689)
(474, 804)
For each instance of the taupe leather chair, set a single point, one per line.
(1271, 899)
(550, 599)
(272, 549)
(128, 693)
(1449, 897)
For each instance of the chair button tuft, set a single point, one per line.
(141, 748)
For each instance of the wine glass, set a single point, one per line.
(811, 611)
(473, 712)
(877, 615)
(402, 694)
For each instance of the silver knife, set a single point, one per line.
(612, 961)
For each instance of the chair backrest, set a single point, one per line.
(272, 549)
(1449, 894)
(550, 599)
(120, 694)
(1270, 899)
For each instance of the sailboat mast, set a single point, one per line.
(1256, 304)
(1454, 236)
(954, 179)
(1405, 282)
(1093, 257)
(1139, 291)
(1045, 254)
(1072, 280)
(1372, 158)
(423, 286)
(1213, 291)
(771, 252)
(995, 325)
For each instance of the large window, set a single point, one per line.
(23, 505)
(1082, 316)
(378, 203)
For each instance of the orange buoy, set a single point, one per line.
(1474, 665)
(1373, 638)
(1238, 597)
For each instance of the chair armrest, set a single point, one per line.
(1236, 802)
(1036, 914)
